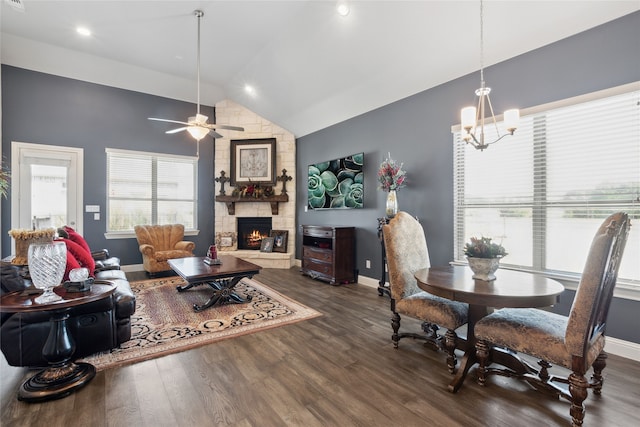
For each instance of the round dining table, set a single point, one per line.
(510, 289)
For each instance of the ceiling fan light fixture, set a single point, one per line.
(198, 132)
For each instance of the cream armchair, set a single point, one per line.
(159, 243)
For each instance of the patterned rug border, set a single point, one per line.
(122, 356)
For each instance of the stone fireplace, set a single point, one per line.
(230, 113)
(251, 231)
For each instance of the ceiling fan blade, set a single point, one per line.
(176, 130)
(241, 129)
(169, 121)
(215, 126)
(214, 134)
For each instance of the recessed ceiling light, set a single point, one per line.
(342, 8)
(249, 89)
(83, 31)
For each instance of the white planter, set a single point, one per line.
(483, 268)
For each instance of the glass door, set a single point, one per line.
(49, 186)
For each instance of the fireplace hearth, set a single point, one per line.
(251, 231)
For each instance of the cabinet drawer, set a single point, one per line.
(318, 254)
(322, 268)
(318, 232)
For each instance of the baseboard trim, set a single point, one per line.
(627, 349)
(130, 268)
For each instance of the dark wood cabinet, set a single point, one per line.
(328, 253)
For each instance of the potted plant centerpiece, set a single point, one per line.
(484, 257)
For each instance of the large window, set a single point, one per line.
(544, 191)
(148, 188)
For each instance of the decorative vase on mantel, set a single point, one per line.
(392, 204)
(484, 268)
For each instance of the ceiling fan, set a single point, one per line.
(197, 125)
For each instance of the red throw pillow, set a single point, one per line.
(75, 237)
(83, 258)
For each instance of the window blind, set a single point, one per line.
(544, 191)
(148, 188)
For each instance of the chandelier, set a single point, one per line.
(473, 119)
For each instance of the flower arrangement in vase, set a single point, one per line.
(391, 177)
(484, 257)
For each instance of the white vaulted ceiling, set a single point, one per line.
(310, 67)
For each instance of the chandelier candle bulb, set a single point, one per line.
(468, 118)
(511, 119)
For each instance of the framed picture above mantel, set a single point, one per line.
(253, 161)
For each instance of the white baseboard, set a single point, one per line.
(130, 268)
(627, 349)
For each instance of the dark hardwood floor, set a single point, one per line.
(339, 369)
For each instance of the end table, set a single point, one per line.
(63, 376)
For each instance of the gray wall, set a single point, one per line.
(417, 131)
(45, 109)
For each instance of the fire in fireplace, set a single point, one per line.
(251, 231)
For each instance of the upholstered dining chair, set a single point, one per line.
(575, 342)
(407, 252)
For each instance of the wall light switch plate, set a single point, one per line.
(92, 208)
(96, 216)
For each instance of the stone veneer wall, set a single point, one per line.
(230, 113)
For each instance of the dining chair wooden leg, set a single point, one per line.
(450, 344)
(598, 366)
(482, 354)
(395, 324)
(578, 385)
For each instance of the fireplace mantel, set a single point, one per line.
(231, 201)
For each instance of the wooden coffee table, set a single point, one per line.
(222, 278)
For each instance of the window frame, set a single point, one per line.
(154, 157)
(629, 289)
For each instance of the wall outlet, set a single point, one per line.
(368, 263)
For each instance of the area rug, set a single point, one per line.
(165, 322)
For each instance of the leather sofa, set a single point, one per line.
(95, 327)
